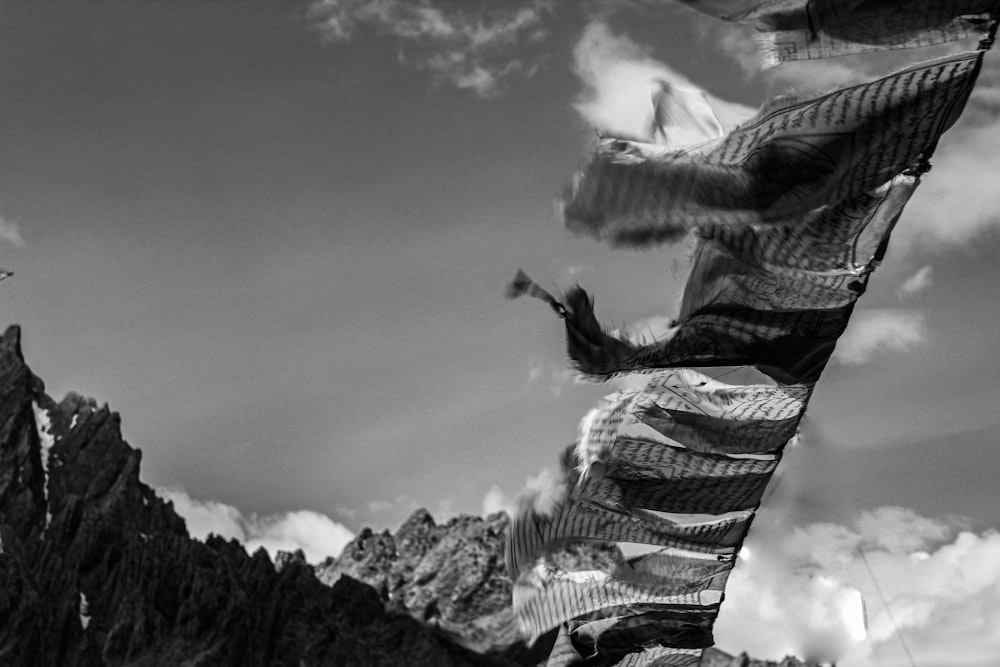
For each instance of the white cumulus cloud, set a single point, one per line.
(875, 331)
(927, 580)
(317, 535)
(496, 500)
(466, 49)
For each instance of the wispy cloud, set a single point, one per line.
(917, 283)
(467, 50)
(317, 535)
(876, 331)
(555, 377)
(620, 78)
(940, 585)
(10, 233)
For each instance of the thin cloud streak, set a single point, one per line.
(918, 282)
(10, 233)
(457, 47)
(556, 377)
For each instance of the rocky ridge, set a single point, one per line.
(96, 569)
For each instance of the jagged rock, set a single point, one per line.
(452, 575)
(95, 569)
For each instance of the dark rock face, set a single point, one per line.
(95, 569)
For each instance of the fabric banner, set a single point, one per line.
(662, 657)
(670, 568)
(748, 301)
(840, 237)
(615, 637)
(545, 598)
(793, 157)
(823, 263)
(792, 347)
(683, 117)
(706, 415)
(812, 29)
(697, 486)
(689, 409)
(601, 429)
(532, 534)
(563, 653)
(712, 434)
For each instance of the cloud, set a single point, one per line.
(555, 376)
(10, 233)
(916, 283)
(940, 584)
(876, 331)
(620, 78)
(317, 535)
(542, 490)
(464, 49)
(958, 202)
(496, 500)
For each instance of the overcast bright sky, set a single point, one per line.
(274, 236)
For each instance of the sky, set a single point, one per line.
(274, 236)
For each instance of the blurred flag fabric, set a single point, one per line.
(794, 157)
(814, 29)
